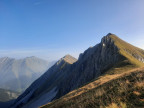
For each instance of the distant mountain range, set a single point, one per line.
(112, 56)
(18, 74)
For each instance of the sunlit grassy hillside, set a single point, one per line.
(129, 51)
(124, 90)
(120, 86)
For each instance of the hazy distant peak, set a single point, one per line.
(5, 58)
(34, 58)
(31, 57)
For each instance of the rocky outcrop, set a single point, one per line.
(66, 76)
(91, 64)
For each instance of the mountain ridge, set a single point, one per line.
(55, 70)
(67, 58)
(111, 56)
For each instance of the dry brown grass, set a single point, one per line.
(99, 82)
(105, 91)
(114, 105)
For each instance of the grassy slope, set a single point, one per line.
(102, 91)
(128, 51)
(111, 91)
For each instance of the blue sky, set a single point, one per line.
(52, 28)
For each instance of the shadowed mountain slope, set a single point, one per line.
(111, 56)
(124, 90)
(46, 84)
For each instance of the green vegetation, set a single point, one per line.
(129, 51)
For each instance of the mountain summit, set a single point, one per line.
(68, 59)
(111, 56)
(133, 54)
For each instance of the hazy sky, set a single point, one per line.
(52, 28)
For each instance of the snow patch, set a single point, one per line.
(42, 100)
(24, 100)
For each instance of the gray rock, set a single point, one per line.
(68, 74)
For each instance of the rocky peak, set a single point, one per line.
(5, 58)
(106, 42)
(108, 39)
(111, 53)
(32, 57)
(68, 59)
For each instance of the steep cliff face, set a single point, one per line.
(110, 54)
(91, 64)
